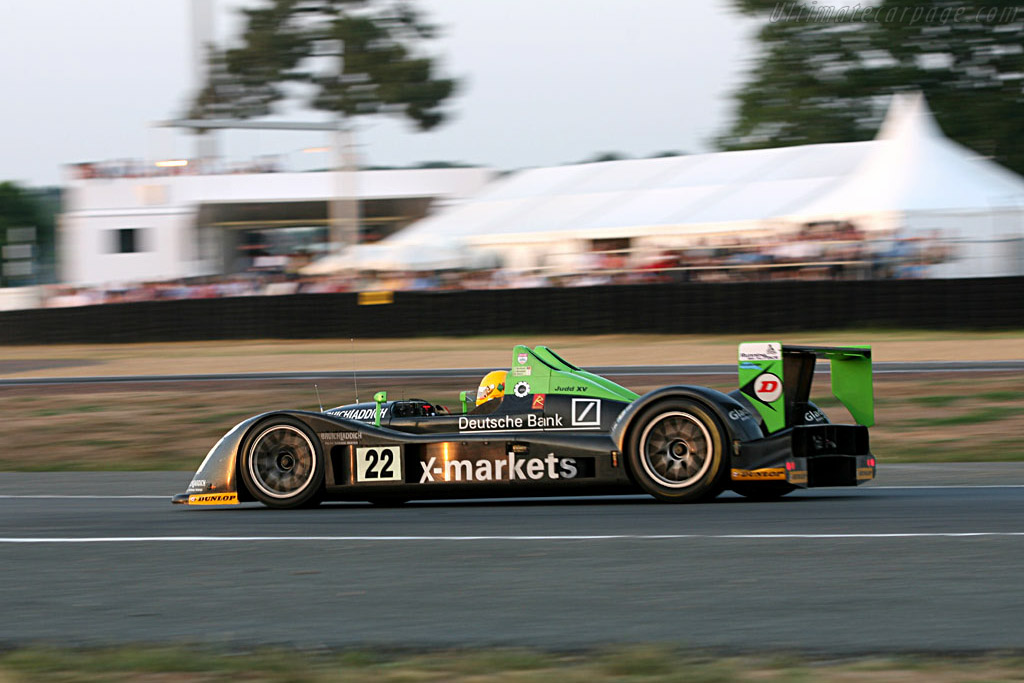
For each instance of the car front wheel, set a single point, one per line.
(283, 464)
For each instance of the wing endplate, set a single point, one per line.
(762, 380)
(777, 378)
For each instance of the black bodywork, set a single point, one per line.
(586, 441)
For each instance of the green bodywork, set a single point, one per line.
(851, 379)
(545, 372)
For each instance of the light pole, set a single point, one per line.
(343, 209)
(202, 40)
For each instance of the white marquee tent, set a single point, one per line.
(923, 185)
(909, 181)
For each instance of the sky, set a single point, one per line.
(542, 83)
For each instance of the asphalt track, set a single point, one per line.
(928, 558)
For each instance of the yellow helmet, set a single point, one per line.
(492, 386)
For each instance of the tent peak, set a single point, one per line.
(909, 117)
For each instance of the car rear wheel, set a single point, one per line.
(283, 464)
(676, 452)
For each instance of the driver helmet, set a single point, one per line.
(492, 386)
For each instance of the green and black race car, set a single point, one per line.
(559, 430)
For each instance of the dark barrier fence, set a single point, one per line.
(749, 308)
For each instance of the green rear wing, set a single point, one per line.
(776, 378)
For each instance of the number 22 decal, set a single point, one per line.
(385, 461)
(379, 463)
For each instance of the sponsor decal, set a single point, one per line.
(570, 389)
(213, 499)
(813, 416)
(798, 477)
(364, 414)
(768, 387)
(865, 473)
(586, 412)
(522, 372)
(764, 474)
(739, 414)
(760, 351)
(508, 422)
(522, 358)
(328, 438)
(521, 389)
(511, 468)
(538, 402)
(379, 463)
(196, 485)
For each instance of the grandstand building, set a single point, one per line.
(128, 222)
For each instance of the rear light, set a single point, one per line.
(790, 466)
(871, 462)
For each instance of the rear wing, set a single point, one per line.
(776, 378)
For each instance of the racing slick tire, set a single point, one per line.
(769, 490)
(676, 452)
(282, 464)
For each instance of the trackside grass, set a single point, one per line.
(641, 663)
(920, 418)
(171, 427)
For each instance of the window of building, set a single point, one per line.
(128, 240)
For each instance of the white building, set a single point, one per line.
(135, 229)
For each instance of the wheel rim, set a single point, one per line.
(282, 461)
(676, 450)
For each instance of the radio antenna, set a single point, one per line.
(319, 402)
(355, 378)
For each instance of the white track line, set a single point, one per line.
(609, 537)
(89, 497)
(938, 486)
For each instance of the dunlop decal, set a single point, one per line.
(213, 499)
(766, 474)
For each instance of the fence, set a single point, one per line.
(745, 307)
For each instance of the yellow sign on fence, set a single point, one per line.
(376, 298)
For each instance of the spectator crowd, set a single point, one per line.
(833, 251)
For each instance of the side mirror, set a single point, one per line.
(378, 398)
(464, 399)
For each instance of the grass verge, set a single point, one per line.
(170, 427)
(634, 663)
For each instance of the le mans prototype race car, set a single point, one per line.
(560, 430)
